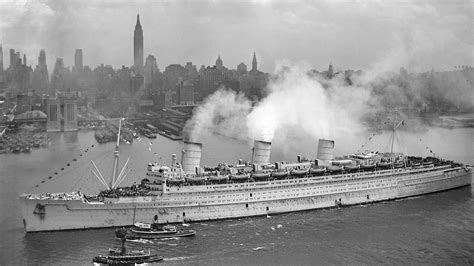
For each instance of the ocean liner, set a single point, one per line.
(186, 192)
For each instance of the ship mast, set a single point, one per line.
(116, 155)
(395, 126)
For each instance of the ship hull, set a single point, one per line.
(299, 196)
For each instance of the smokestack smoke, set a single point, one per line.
(224, 112)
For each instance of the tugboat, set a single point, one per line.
(152, 231)
(120, 256)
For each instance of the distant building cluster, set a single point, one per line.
(140, 87)
(180, 85)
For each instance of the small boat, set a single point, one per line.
(299, 172)
(384, 165)
(218, 178)
(120, 256)
(367, 167)
(196, 179)
(335, 168)
(280, 174)
(352, 168)
(152, 231)
(317, 171)
(399, 165)
(260, 175)
(427, 164)
(240, 177)
(175, 180)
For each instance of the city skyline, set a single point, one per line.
(317, 33)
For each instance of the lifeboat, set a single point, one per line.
(240, 177)
(399, 165)
(280, 174)
(218, 178)
(367, 167)
(299, 172)
(196, 179)
(427, 164)
(384, 165)
(260, 175)
(317, 171)
(352, 168)
(175, 181)
(335, 168)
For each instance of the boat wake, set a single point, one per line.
(143, 241)
(169, 238)
(179, 258)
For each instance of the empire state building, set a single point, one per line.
(138, 47)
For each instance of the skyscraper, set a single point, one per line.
(12, 58)
(1, 65)
(330, 71)
(138, 47)
(254, 63)
(150, 71)
(42, 58)
(219, 64)
(78, 60)
(40, 82)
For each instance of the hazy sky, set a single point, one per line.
(418, 35)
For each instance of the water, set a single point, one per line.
(431, 229)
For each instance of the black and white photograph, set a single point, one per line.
(236, 132)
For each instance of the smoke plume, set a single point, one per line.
(223, 112)
(295, 102)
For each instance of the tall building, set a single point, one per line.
(2, 79)
(210, 79)
(40, 81)
(219, 64)
(3, 85)
(18, 59)
(24, 59)
(151, 70)
(186, 93)
(78, 60)
(241, 69)
(138, 47)
(42, 58)
(254, 63)
(59, 77)
(330, 71)
(12, 58)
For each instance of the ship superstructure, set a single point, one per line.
(185, 192)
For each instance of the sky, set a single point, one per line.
(417, 35)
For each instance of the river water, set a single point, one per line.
(432, 229)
